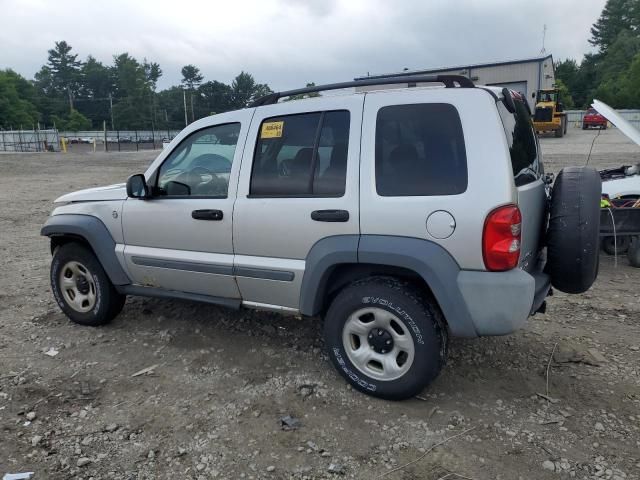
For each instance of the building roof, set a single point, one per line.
(458, 67)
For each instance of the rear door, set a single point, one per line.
(528, 173)
(298, 185)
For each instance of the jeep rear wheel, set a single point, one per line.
(81, 287)
(385, 337)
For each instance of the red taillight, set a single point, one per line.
(501, 238)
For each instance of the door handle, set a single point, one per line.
(207, 215)
(330, 215)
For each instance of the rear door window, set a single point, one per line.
(523, 143)
(420, 151)
(301, 155)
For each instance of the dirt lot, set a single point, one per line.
(212, 407)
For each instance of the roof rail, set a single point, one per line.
(449, 81)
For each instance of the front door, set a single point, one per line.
(299, 185)
(181, 238)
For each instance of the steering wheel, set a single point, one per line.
(195, 175)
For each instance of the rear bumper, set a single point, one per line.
(500, 302)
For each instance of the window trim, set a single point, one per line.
(155, 177)
(464, 144)
(314, 158)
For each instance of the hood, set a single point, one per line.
(111, 192)
(614, 117)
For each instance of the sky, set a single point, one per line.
(287, 43)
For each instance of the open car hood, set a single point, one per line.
(614, 117)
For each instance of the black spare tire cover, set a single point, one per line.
(574, 229)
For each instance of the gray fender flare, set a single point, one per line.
(429, 260)
(321, 260)
(96, 234)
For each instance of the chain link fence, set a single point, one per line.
(574, 117)
(117, 140)
(29, 140)
(52, 140)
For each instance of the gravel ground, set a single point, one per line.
(222, 380)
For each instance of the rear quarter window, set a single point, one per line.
(420, 151)
(522, 142)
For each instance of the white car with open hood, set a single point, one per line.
(622, 182)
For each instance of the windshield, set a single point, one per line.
(544, 96)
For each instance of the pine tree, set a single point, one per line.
(65, 70)
(617, 15)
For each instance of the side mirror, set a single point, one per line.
(137, 187)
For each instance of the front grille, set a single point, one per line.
(543, 114)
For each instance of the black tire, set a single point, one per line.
(633, 254)
(559, 131)
(107, 302)
(622, 243)
(584, 127)
(573, 236)
(426, 330)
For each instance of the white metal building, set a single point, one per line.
(526, 76)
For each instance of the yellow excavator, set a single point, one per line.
(549, 115)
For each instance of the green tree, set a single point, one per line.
(564, 94)
(191, 78)
(134, 83)
(617, 15)
(619, 55)
(244, 89)
(16, 101)
(64, 69)
(73, 122)
(215, 97)
(170, 109)
(152, 72)
(95, 88)
(567, 71)
(630, 83)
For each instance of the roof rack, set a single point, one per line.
(449, 81)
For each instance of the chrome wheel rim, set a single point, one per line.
(378, 343)
(77, 286)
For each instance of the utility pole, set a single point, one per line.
(544, 34)
(70, 99)
(184, 101)
(193, 115)
(111, 109)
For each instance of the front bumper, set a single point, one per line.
(546, 126)
(500, 302)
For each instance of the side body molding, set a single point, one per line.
(96, 234)
(429, 260)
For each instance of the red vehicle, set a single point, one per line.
(593, 119)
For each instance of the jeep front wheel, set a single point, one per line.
(385, 337)
(81, 287)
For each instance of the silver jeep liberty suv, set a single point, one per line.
(399, 215)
